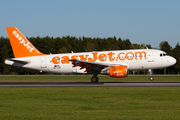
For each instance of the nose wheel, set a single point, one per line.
(151, 78)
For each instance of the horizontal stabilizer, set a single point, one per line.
(17, 61)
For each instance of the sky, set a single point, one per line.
(140, 21)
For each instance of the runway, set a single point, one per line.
(87, 84)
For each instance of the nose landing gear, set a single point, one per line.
(151, 78)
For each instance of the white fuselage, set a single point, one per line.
(138, 59)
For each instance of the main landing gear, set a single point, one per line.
(94, 79)
(151, 78)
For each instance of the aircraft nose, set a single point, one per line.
(173, 61)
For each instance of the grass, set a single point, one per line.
(80, 103)
(134, 103)
(86, 78)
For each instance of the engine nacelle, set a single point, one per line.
(116, 71)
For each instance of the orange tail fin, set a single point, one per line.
(21, 46)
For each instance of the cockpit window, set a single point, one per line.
(163, 54)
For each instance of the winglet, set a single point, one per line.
(21, 46)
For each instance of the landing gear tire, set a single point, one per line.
(94, 79)
(151, 78)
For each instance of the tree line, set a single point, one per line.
(67, 44)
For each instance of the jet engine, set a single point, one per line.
(116, 71)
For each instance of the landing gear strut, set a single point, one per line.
(94, 79)
(151, 78)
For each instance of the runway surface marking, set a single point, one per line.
(87, 84)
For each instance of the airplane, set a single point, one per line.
(114, 63)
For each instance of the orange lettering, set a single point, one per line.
(131, 54)
(94, 57)
(56, 60)
(102, 57)
(74, 57)
(65, 59)
(140, 54)
(119, 56)
(111, 56)
(83, 58)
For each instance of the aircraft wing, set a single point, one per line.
(91, 66)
